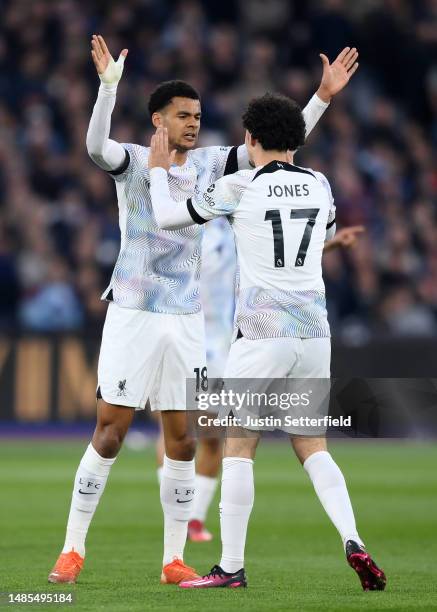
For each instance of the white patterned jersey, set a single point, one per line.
(217, 291)
(158, 270)
(279, 214)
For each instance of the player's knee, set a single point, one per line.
(181, 448)
(305, 447)
(107, 440)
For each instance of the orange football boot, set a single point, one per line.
(176, 571)
(67, 568)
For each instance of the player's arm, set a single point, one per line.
(106, 153)
(347, 238)
(335, 77)
(170, 214)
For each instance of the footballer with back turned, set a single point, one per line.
(281, 216)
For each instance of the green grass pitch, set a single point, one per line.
(294, 555)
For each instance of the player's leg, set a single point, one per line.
(331, 489)
(177, 494)
(329, 484)
(159, 445)
(208, 461)
(128, 360)
(328, 481)
(92, 474)
(237, 496)
(327, 478)
(255, 360)
(183, 354)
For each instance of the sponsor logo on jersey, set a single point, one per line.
(209, 199)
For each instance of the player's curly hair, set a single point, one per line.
(276, 121)
(163, 94)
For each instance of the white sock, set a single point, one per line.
(159, 474)
(331, 490)
(205, 488)
(235, 508)
(89, 484)
(177, 494)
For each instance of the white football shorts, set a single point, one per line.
(258, 362)
(147, 355)
(279, 358)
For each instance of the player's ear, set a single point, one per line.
(249, 140)
(157, 120)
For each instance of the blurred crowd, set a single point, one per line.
(377, 143)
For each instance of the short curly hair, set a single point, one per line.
(276, 121)
(163, 94)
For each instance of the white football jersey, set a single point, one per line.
(159, 270)
(279, 214)
(217, 291)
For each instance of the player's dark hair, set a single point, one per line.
(276, 121)
(163, 94)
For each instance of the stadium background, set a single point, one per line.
(59, 239)
(59, 233)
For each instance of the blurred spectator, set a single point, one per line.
(58, 214)
(54, 306)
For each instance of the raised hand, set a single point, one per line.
(108, 70)
(159, 156)
(337, 75)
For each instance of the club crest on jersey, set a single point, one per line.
(121, 388)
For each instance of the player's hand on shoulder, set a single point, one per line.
(108, 70)
(159, 156)
(337, 75)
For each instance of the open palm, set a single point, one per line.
(108, 70)
(337, 75)
(100, 53)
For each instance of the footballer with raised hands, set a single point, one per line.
(153, 337)
(281, 215)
